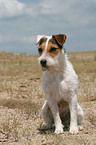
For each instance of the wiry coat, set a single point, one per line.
(60, 84)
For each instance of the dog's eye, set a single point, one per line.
(53, 49)
(40, 50)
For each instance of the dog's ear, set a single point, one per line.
(38, 38)
(60, 39)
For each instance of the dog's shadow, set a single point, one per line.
(51, 130)
(45, 131)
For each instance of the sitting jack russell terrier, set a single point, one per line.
(60, 84)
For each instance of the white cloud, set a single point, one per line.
(76, 18)
(72, 13)
(11, 8)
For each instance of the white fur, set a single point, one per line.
(39, 37)
(60, 83)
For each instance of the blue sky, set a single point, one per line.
(22, 20)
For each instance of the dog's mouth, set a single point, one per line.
(44, 68)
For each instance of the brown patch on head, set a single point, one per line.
(53, 41)
(42, 43)
(41, 48)
(42, 40)
(52, 48)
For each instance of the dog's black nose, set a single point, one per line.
(43, 62)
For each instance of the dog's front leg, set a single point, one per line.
(73, 115)
(55, 112)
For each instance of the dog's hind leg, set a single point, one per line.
(80, 117)
(47, 116)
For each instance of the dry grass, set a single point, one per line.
(21, 99)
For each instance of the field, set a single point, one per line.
(21, 99)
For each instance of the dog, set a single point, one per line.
(60, 84)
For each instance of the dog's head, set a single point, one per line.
(50, 48)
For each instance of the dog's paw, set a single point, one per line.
(73, 130)
(59, 131)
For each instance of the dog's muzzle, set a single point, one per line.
(43, 62)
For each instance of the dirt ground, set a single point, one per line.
(22, 97)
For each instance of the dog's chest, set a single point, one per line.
(55, 86)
